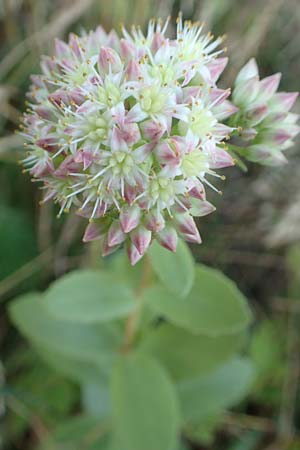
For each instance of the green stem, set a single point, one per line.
(132, 321)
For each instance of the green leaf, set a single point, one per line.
(77, 341)
(144, 404)
(82, 432)
(96, 399)
(17, 240)
(210, 394)
(267, 350)
(119, 265)
(175, 270)
(204, 431)
(88, 296)
(213, 307)
(184, 354)
(80, 371)
(41, 391)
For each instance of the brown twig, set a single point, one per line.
(245, 421)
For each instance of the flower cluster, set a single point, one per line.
(129, 131)
(267, 125)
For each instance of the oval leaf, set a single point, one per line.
(77, 341)
(213, 307)
(144, 405)
(184, 354)
(175, 270)
(206, 395)
(88, 296)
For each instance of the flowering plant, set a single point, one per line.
(130, 132)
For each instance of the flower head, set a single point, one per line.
(268, 128)
(129, 131)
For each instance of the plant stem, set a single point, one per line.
(133, 319)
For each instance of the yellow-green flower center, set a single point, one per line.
(194, 163)
(152, 99)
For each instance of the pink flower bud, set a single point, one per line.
(106, 249)
(216, 67)
(256, 114)
(268, 86)
(283, 100)
(249, 70)
(248, 134)
(61, 48)
(201, 208)
(155, 221)
(133, 71)
(130, 218)
(186, 223)
(115, 234)
(141, 238)
(92, 232)
(127, 49)
(152, 130)
(168, 238)
(133, 255)
(109, 60)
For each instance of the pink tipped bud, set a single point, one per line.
(92, 232)
(61, 48)
(201, 208)
(113, 40)
(37, 81)
(133, 71)
(216, 67)
(129, 194)
(115, 234)
(277, 137)
(84, 156)
(226, 109)
(59, 97)
(158, 40)
(186, 223)
(249, 70)
(284, 100)
(192, 238)
(197, 191)
(248, 134)
(219, 158)
(133, 255)
(141, 238)
(257, 114)
(268, 86)
(47, 144)
(66, 167)
(152, 130)
(266, 155)
(127, 49)
(74, 44)
(106, 249)
(155, 221)
(109, 60)
(129, 218)
(246, 91)
(168, 238)
(76, 96)
(44, 112)
(168, 154)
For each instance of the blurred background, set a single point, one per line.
(254, 236)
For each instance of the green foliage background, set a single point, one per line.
(40, 407)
